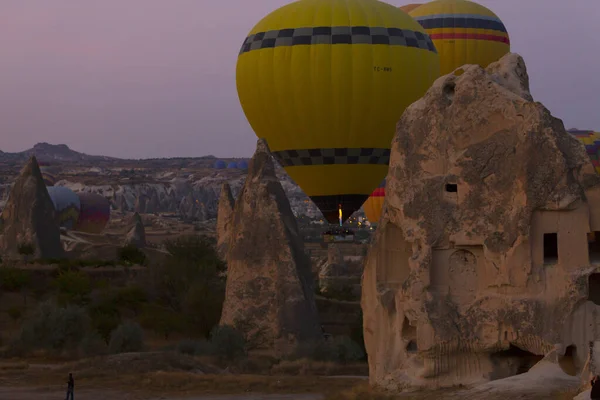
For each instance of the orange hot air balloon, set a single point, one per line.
(409, 7)
(374, 204)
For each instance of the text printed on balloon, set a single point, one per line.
(382, 69)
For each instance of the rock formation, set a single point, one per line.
(28, 218)
(225, 210)
(141, 204)
(485, 257)
(159, 195)
(336, 277)
(192, 209)
(269, 294)
(137, 234)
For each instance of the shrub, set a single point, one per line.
(14, 279)
(131, 297)
(131, 255)
(26, 249)
(105, 324)
(195, 347)
(190, 282)
(340, 349)
(317, 350)
(198, 250)
(53, 327)
(346, 350)
(65, 263)
(228, 343)
(357, 333)
(73, 287)
(14, 313)
(202, 305)
(127, 337)
(105, 318)
(101, 284)
(93, 345)
(162, 320)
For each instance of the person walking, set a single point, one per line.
(70, 387)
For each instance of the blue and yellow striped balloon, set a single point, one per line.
(463, 32)
(591, 141)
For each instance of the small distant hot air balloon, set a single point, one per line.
(463, 32)
(94, 214)
(374, 204)
(220, 164)
(591, 141)
(243, 165)
(232, 165)
(324, 82)
(67, 205)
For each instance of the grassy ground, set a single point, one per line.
(152, 379)
(170, 374)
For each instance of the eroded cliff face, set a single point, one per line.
(269, 293)
(481, 257)
(225, 210)
(193, 198)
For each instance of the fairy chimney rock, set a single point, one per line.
(29, 219)
(137, 234)
(270, 292)
(486, 257)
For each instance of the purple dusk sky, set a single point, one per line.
(156, 78)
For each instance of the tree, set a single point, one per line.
(191, 282)
(162, 320)
(73, 287)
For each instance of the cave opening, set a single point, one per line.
(594, 289)
(568, 361)
(409, 334)
(411, 347)
(550, 248)
(594, 246)
(513, 361)
(451, 188)
(448, 90)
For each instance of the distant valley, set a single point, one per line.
(187, 187)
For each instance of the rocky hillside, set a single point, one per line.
(46, 152)
(191, 197)
(188, 187)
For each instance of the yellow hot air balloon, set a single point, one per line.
(409, 7)
(463, 33)
(324, 82)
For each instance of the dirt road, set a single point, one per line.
(54, 393)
